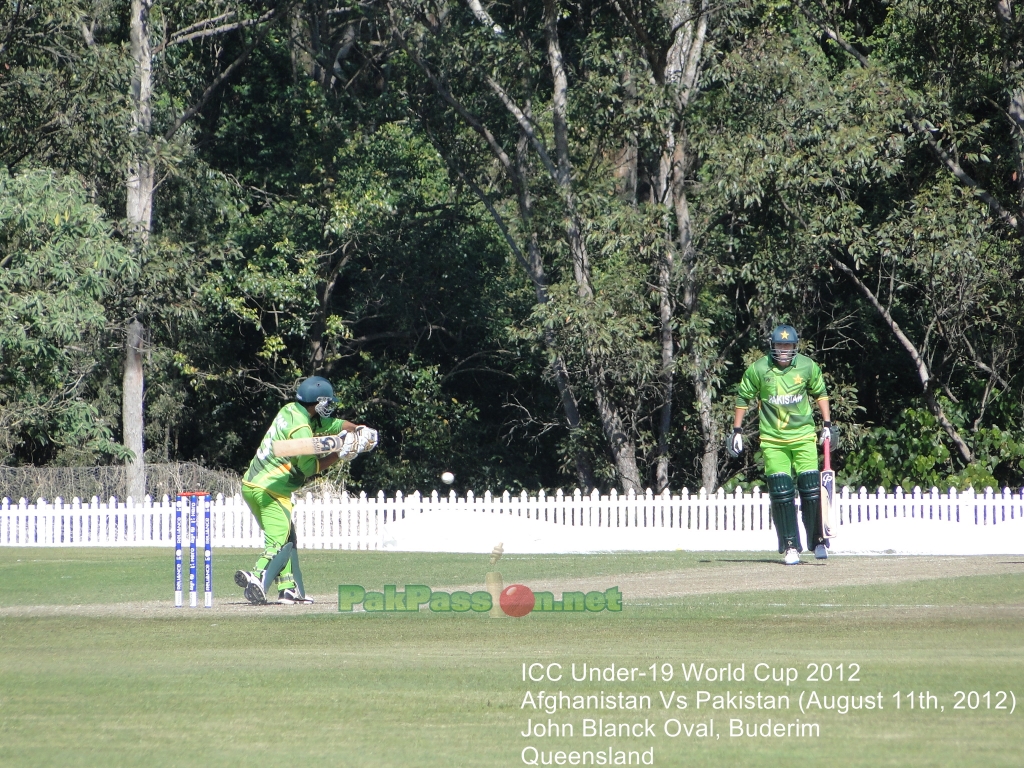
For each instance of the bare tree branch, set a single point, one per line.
(180, 38)
(500, 221)
(484, 17)
(834, 36)
(984, 367)
(924, 374)
(525, 126)
(954, 167)
(445, 93)
(205, 23)
(191, 112)
(457, 368)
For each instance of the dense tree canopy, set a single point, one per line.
(532, 242)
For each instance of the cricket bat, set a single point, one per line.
(309, 446)
(828, 487)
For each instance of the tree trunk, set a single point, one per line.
(1016, 111)
(626, 172)
(625, 164)
(1013, 68)
(620, 441)
(131, 412)
(535, 266)
(701, 366)
(139, 212)
(517, 169)
(677, 68)
(140, 170)
(709, 428)
(680, 73)
(318, 333)
(302, 42)
(666, 307)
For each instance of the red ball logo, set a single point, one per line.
(517, 600)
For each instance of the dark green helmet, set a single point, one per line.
(783, 334)
(316, 390)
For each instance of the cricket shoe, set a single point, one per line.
(253, 587)
(820, 553)
(292, 597)
(792, 557)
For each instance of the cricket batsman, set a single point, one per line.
(784, 383)
(269, 482)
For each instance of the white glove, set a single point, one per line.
(735, 444)
(349, 446)
(366, 439)
(830, 432)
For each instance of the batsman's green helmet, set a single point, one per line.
(316, 390)
(783, 334)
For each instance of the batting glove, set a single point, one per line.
(830, 432)
(735, 444)
(366, 439)
(349, 446)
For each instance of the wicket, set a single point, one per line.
(191, 499)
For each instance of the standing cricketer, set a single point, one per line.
(270, 481)
(784, 383)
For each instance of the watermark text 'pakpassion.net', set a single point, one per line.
(515, 600)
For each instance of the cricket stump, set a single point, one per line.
(494, 585)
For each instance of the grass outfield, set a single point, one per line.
(124, 685)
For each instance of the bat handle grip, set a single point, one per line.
(827, 449)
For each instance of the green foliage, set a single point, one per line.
(815, 160)
(65, 102)
(428, 435)
(323, 212)
(908, 455)
(58, 262)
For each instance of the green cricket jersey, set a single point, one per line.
(785, 395)
(281, 476)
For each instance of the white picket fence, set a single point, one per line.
(934, 522)
(325, 523)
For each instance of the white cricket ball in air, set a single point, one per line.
(447, 478)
